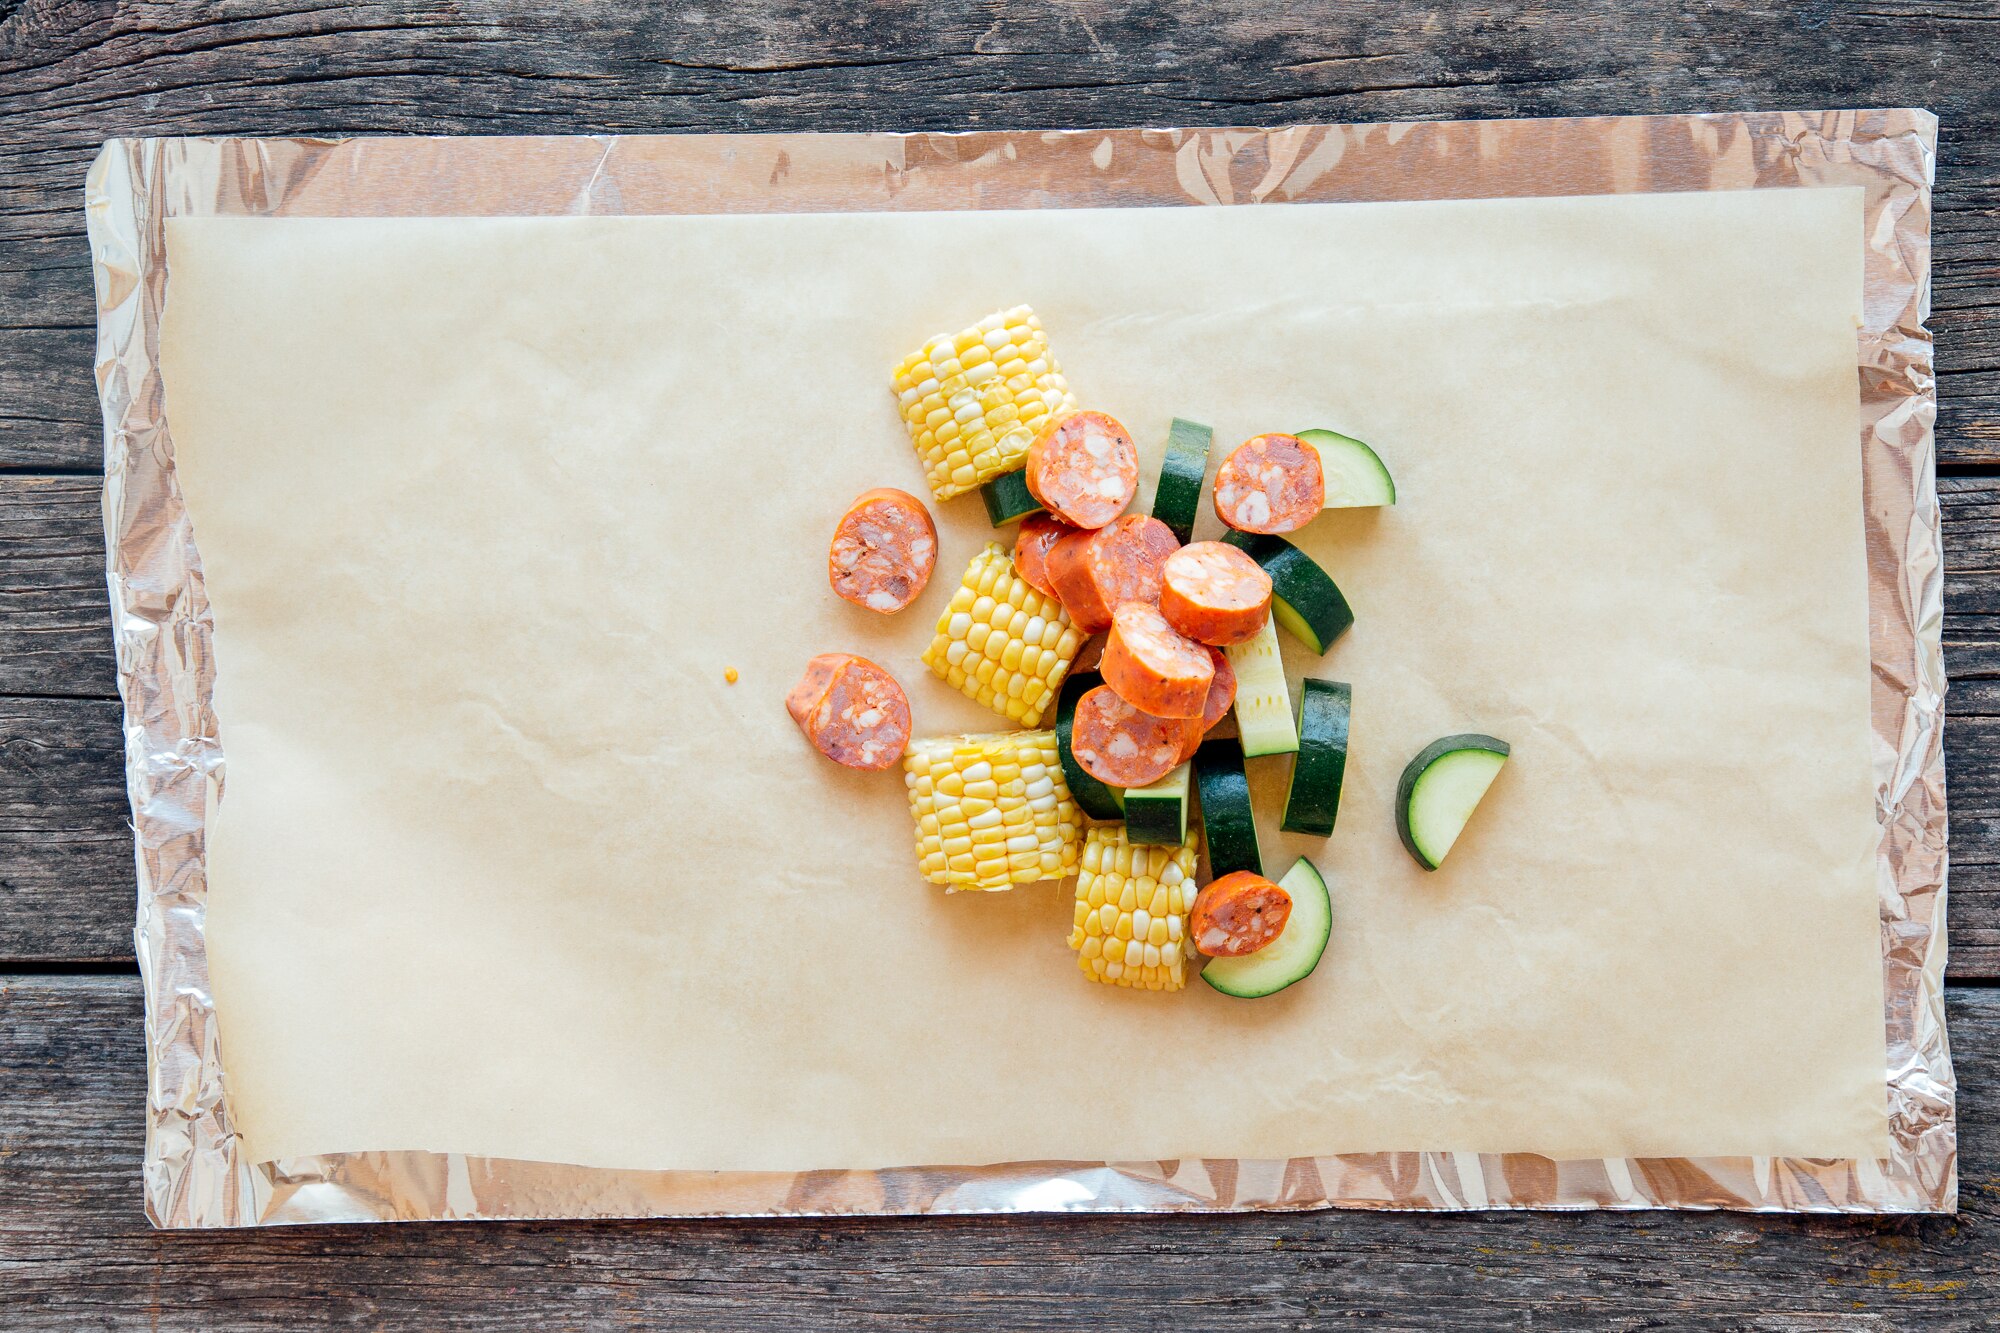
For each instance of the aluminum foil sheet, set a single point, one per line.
(196, 1172)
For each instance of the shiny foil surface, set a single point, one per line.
(196, 1173)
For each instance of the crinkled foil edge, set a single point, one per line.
(196, 1173)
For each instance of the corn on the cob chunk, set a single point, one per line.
(1001, 642)
(1132, 907)
(991, 811)
(974, 400)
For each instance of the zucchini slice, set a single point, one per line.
(1091, 796)
(1227, 823)
(1441, 788)
(1294, 954)
(1157, 815)
(1312, 802)
(1304, 598)
(1007, 498)
(1263, 700)
(1178, 497)
(1355, 475)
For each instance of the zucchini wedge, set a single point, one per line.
(1228, 824)
(1263, 700)
(1312, 802)
(1007, 498)
(1178, 498)
(1157, 815)
(1294, 954)
(1441, 788)
(1091, 796)
(1356, 477)
(1304, 598)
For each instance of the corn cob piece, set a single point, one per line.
(1132, 907)
(1002, 642)
(991, 811)
(974, 400)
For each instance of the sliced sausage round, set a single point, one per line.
(1153, 666)
(1238, 914)
(1084, 468)
(852, 710)
(883, 551)
(1221, 698)
(1214, 593)
(1038, 533)
(1121, 746)
(1094, 573)
(1271, 483)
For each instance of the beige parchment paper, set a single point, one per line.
(503, 867)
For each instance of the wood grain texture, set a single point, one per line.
(74, 72)
(65, 849)
(76, 1252)
(55, 622)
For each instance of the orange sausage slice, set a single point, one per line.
(1121, 746)
(1271, 483)
(852, 711)
(1153, 666)
(1238, 914)
(883, 550)
(1083, 468)
(1221, 697)
(1038, 533)
(1094, 573)
(1214, 593)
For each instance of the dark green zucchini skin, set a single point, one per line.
(1151, 821)
(1288, 960)
(1177, 499)
(1406, 785)
(1312, 803)
(1008, 499)
(1228, 824)
(1298, 581)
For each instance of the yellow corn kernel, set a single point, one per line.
(1118, 941)
(974, 400)
(983, 638)
(991, 811)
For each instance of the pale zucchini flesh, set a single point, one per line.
(1356, 477)
(1441, 788)
(1263, 701)
(1291, 957)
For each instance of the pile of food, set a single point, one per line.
(1136, 642)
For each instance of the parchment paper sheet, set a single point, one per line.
(476, 576)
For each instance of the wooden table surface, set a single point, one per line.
(75, 1250)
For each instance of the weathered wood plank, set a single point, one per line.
(55, 625)
(75, 1250)
(73, 72)
(66, 860)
